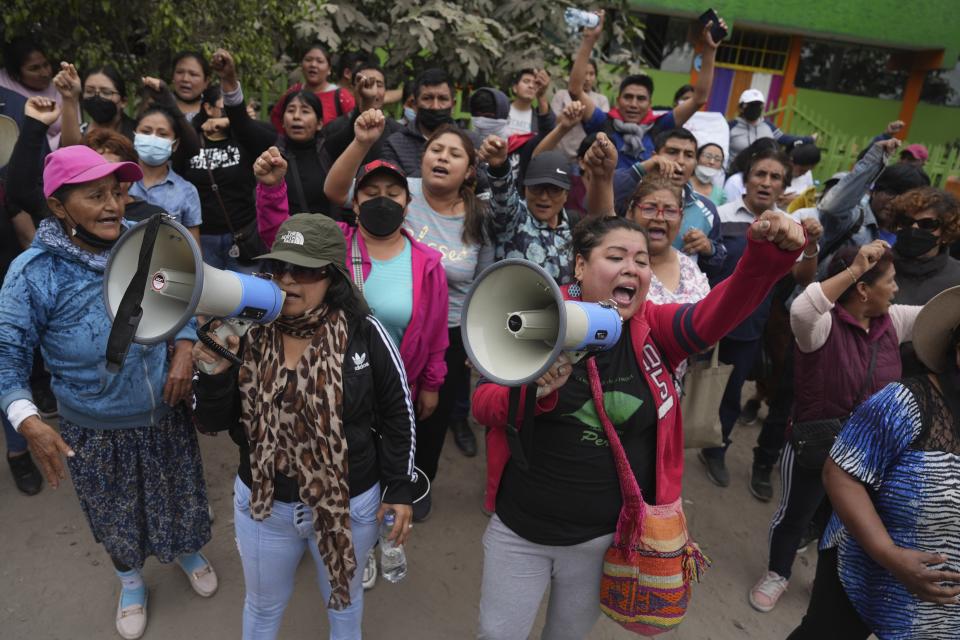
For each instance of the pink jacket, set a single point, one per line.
(426, 339)
(670, 331)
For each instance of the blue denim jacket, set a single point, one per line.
(53, 297)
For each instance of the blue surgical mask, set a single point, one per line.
(153, 150)
(409, 114)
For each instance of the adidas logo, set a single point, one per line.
(360, 362)
(292, 237)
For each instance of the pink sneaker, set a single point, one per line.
(764, 595)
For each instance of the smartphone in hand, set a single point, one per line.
(717, 32)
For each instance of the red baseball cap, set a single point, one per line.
(77, 164)
(381, 166)
(918, 151)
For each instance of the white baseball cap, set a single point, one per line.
(752, 95)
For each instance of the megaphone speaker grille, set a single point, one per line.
(501, 291)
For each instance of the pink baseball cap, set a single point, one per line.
(79, 163)
(918, 151)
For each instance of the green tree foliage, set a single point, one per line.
(477, 41)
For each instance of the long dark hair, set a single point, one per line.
(475, 220)
(343, 296)
(16, 52)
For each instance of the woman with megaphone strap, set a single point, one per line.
(555, 518)
(320, 390)
(444, 214)
(131, 449)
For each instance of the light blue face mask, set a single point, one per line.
(409, 114)
(153, 150)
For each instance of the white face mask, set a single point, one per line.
(490, 126)
(706, 174)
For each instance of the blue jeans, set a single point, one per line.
(271, 550)
(16, 443)
(216, 249)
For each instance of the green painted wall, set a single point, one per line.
(853, 115)
(935, 124)
(923, 24)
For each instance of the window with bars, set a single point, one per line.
(755, 51)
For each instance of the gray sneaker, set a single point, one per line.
(716, 469)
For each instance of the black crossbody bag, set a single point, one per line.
(812, 440)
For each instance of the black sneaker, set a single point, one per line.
(25, 474)
(716, 470)
(464, 438)
(748, 415)
(422, 508)
(760, 485)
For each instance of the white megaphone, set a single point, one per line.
(516, 323)
(179, 285)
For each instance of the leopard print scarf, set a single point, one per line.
(308, 442)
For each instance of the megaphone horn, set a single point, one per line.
(516, 323)
(179, 285)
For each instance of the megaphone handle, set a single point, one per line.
(228, 327)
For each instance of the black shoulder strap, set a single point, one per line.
(294, 175)
(868, 381)
(520, 441)
(129, 312)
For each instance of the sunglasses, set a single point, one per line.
(304, 275)
(551, 190)
(927, 224)
(650, 211)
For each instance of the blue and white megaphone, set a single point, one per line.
(516, 323)
(177, 285)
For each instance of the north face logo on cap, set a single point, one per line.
(292, 237)
(360, 362)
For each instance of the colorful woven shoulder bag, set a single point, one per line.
(648, 570)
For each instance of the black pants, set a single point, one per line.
(800, 502)
(432, 431)
(771, 437)
(830, 613)
(741, 355)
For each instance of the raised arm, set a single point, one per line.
(25, 169)
(845, 195)
(505, 196)
(805, 271)
(701, 91)
(255, 137)
(578, 73)
(774, 241)
(67, 82)
(270, 169)
(600, 161)
(568, 119)
(366, 131)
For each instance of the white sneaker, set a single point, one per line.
(764, 595)
(370, 571)
(132, 620)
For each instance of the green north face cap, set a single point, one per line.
(310, 240)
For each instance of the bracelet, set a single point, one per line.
(813, 255)
(855, 278)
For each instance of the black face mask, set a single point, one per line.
(913, 242)
(87, 237)
(753, 111)
(101, 110)
(381, 216)
(430, 119)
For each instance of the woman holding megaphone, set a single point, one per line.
(130, 447)
(556, 514)
(320, 390)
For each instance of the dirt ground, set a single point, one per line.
(58, 584)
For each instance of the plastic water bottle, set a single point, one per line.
(393, 561)
(579, 18)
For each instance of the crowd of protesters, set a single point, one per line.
(841, 300)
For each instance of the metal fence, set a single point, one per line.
(839, 151)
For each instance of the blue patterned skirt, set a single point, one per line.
(142, 489)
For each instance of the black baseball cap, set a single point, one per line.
(551, 167)
(381, 166)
